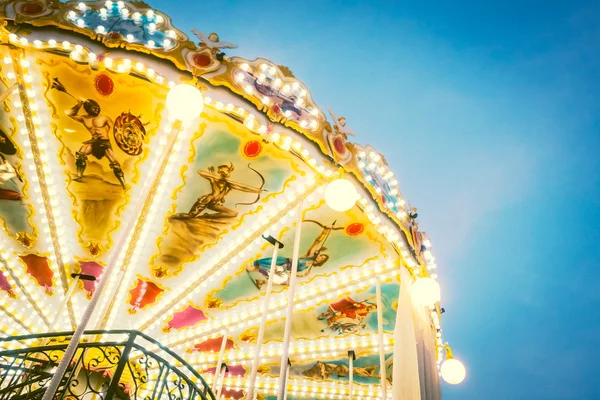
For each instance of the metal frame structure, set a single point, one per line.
(107, 365)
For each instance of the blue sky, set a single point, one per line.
(489, 113)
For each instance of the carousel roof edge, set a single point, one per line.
(207, 61)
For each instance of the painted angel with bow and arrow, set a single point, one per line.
(220, 185)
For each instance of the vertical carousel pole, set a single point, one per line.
(287, 376)
(382, 370)
(64, 302)
(351, 358)
(221, 377)
(263, 320)
(290, 306)
(220, 361)
(68, 296)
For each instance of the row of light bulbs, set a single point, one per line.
(46, 195)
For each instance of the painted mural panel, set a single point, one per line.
(355, 313)
(330, 242)
(230, 174)
(104, 122)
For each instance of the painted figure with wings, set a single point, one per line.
(283, 265)
(336, 139)
(340, 125)
(213, 43)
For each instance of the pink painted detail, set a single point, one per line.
(186, 318)
(94, 269)
(5, 285)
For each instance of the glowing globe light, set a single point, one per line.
(453, 371)
(426, 291)
(185, 102)
(340, 195)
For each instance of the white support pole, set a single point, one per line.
(287, 377)
(220, 361)
(221, 377)
(290, 306)
(108, 271)
(64, 303)
(382, 369)
(263, 321)
(351, 357)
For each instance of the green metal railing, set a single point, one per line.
(108, 365)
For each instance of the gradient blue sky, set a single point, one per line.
(489, 113)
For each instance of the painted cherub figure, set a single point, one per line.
(339, 124)
(213, 43)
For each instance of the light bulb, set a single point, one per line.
(185, 102)
(426, 291)
(340, 195)
(453, 371)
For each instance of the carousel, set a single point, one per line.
(181, 223)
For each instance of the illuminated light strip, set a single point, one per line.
(129, 258)
(304, 349)
(310, 295)
(44, 174)
(268, 70)
(258, 229)
(363, 162)
(130, 253)
(56, 193)
(306, 388)
(12, 265)
(15, 274)
(27, 327)
(124, 12)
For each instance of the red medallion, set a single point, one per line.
(202, 60)
(33, 8)
(114, 36)
(104, 85)
(354, 229)
(338, 144)
(252, 148)
(276, 109)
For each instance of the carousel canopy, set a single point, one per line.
(106, 163)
